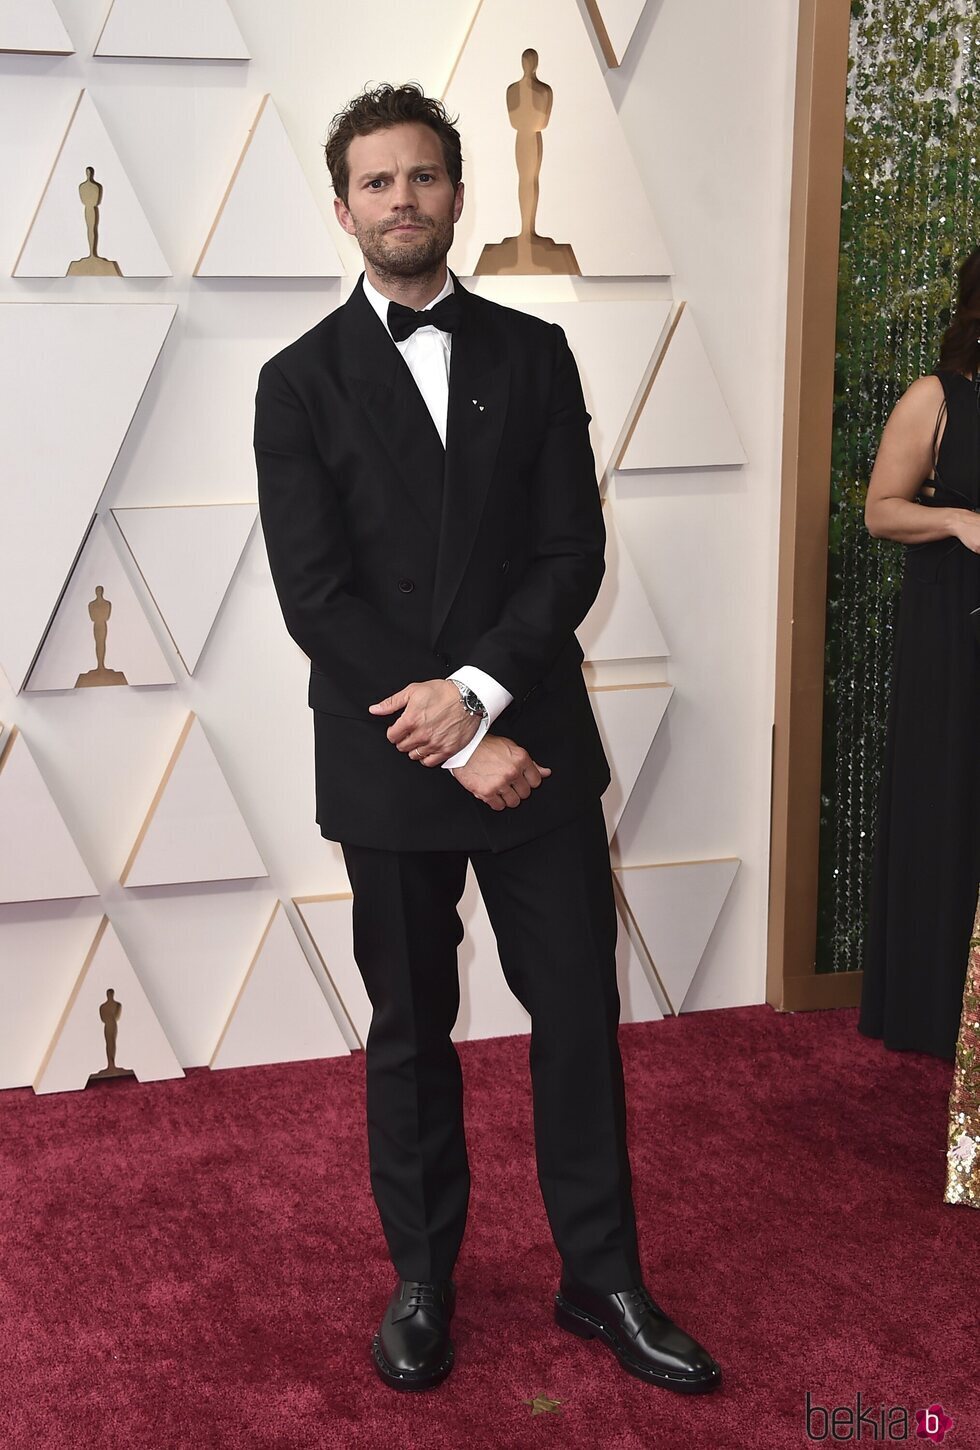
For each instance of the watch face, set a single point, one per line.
(471, 700)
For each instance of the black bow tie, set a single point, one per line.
(402, 321)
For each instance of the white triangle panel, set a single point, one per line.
(675, 907)
(187, 555)
(78, 1048)
(280, 1013)
(613, 344)
(583, 138)
(269, 224)
(615, 22)
(629, 717)
(64, 411)
(684, 421)
(58, 234)
(488, 1008)
(33, 27)
(68, 654)
(172, 29)
(621, 624)
(328, 921)
(194, 830)
(39, 861)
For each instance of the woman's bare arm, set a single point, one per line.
(904, 461)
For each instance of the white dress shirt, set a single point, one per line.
(428, 352)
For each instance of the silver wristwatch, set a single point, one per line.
(472, 703)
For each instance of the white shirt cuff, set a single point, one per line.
(493, 695)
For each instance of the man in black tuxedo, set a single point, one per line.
(428, 497)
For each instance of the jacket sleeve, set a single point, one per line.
(569, 537)
(362, 653)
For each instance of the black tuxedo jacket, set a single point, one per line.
(396, 560)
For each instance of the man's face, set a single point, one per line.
(401, 206)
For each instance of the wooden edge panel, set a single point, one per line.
(818, 152)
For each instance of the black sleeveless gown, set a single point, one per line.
(927, 852)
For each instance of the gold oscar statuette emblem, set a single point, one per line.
(93, 265)
(99, 610)
(529, 103)
(110, 1011)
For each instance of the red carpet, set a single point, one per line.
(200, 1264)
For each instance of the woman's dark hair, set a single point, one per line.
(386, 106)
(960, 348)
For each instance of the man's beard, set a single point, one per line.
(415, 258)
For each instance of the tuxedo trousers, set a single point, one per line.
(551, 905)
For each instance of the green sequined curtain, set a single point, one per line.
(911, 212)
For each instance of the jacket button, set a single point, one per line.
(505, 566)
(406, 585)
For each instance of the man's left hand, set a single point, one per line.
(433, 724)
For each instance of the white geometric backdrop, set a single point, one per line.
(156, 831)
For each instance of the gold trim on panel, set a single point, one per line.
(641, 685)
(668, 865)
(668, 339)
(54, 164)
(602, 34)
(328, 896)
(158, 795)
(466, 40)
(245, 981)
(632, 921)
(70, 1004)
(818, 151)
(231, 184)
(8, 744)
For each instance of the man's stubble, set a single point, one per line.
(417, 258)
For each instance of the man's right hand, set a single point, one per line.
(500, 773)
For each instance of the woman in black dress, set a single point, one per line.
(924, 493)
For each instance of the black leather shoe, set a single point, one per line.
(644, 1340)
(412, 1349)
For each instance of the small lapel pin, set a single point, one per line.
(478, 404)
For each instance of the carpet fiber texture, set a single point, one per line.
(200, 1263)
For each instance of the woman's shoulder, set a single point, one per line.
(922, 397)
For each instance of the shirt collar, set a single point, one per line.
(380, 303)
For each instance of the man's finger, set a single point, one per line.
(402, 735)
(390, 703)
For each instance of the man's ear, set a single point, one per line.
(458, 202)
(343, 215)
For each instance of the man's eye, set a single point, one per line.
(376, 180)
(424, 176)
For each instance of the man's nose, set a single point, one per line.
(401, 193)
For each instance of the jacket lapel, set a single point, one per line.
(479, 376)
(393, 405)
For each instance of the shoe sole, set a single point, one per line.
(399, 1379)
(576, 1321)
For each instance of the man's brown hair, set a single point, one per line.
(386, 106)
